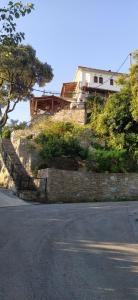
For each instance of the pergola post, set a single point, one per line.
(35, 107)
(52, 105)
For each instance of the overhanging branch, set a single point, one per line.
(4, 118)
(11, 109)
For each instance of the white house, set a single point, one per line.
(90, 81)
(95, 81)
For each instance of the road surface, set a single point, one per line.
(69, 251)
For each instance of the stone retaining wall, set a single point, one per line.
(70, 115)
(74, 186)
(5, 179)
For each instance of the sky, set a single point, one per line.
(65, 34)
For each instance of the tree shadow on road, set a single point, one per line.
(115, 266)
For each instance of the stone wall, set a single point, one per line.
(29, 157)
(74, 186)
(71, 115)
(5, 179)
(27, 153)
(75, 115)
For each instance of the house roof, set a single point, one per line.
(109, 72)
(49, 97)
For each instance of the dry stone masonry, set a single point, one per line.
(74, 186)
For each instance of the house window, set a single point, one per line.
(101, 80)
(95, 79)
(111, 82)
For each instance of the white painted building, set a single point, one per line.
(91, 80)
(96, 78)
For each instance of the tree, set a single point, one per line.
(94, 105)
(20, 70)
(134, 86)
(118, 121)
(12, 126)
(131, 82)
(17, 125)
(8, 17)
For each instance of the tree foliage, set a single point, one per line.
(118, 120)
(8, 17)
(59, 139)
(131, 82)
(111, 160)
(20, 70)
(94, 105)
(12, 126)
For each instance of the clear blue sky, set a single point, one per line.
(90, 33)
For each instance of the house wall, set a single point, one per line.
(85, 76)
(74, 186)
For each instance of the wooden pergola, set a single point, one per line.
(47, 104)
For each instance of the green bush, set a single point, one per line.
(50, 127)
(57, 146)
(111, 160)
(6, 133)
(58, 139)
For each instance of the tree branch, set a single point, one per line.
(11, 109)
(5, 116)
(7, 111)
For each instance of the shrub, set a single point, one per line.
(50, 127)
(55, 146)
(6, 133)
(111, 160)
(58, 139)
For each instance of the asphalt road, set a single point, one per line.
(69, 252)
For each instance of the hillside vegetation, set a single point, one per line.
(108, 143)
